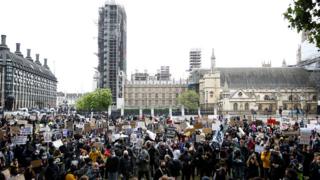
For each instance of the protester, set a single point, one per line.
(237, 149)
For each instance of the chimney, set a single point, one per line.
(18, 52)
(3, 40)
(29, 55)
(3, 45)
(37, 59)
(45, 63)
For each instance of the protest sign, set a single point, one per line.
(19, 140)
(305, 134)
(171, 132)
(47, 136)
(199, 138)
(152, 135)
(33, 118)
(207, 130)
(57, 143)
(15, 130)
(22, 122)
(87, 128)
(1, 134)
(198, 126)
(141, 124)
(36, 163)
(65, 132)
(70, 125)
(258, 148)
(6, 173)
(26, 130)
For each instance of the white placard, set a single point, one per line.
(19, 140)
(26, 130)
(65, 132)
(151, 135)
(47, 136)
(57, 143)
(141, 125)
(258, 148)
(305, 134)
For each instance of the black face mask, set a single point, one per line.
(163, 167)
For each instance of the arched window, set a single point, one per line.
(246, 107)
(266, 98)
(211, 94)
(314, 98)
(235, 107)
(290, 98)
(260, 107)
(285, 107)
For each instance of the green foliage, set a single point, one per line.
(99, 100)
(189, 99)
(304, 16)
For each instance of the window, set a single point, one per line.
(246, 107)
(211, 94)
(314, 98)
(260, 107)
(266, 98)
(240, 94)
(235, 107)
(290, 98)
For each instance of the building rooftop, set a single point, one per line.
(265, 77)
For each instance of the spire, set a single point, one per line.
(225, 86)
(213, 60)
(284, 63)
(299, 54)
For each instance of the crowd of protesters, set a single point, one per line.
(234, 157)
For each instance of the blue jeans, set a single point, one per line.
(113, 175)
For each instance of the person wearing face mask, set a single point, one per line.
(161, 171)
(126, 166)
(276, 163)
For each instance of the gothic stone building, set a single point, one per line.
(263, 90)
(24, 82)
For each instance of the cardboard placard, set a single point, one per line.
(133, 124)
(198, 126)
(290, 133)
(2, 134)
(207, 130)
(70, 125)
(15, 130)
(87, 127)
(36, 163)
(199, 138)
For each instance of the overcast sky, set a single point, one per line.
(160, 32)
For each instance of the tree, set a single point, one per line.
(304, 16)
(189, 99)
(99, 100)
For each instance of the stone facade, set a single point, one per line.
(153, 94)
(260, 90)
(24, 82)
